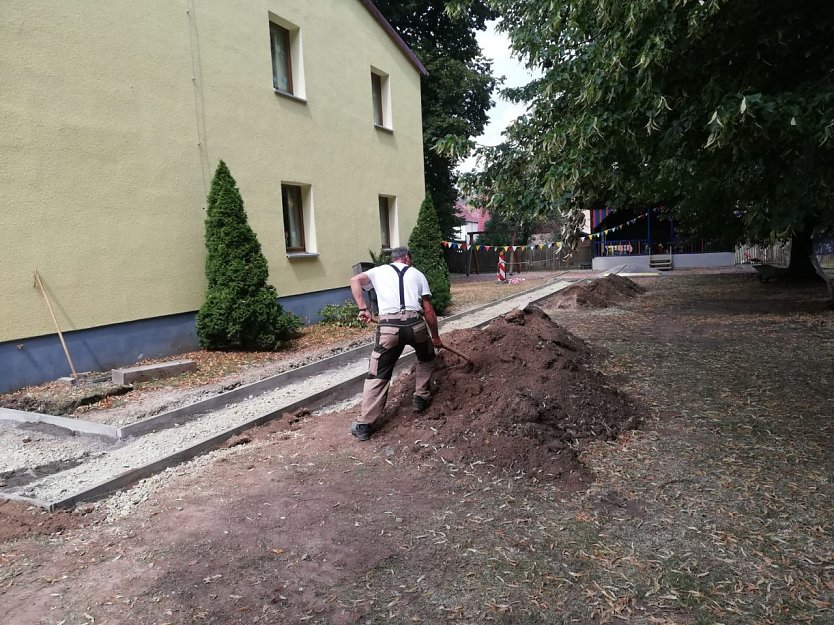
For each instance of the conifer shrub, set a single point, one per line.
(426, 248)
(241, 311)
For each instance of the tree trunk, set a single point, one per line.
(800, 267)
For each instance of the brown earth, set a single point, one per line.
(18, 520)
(524, 404)
(602, 292)
(717, 510)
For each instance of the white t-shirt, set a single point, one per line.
(386, 282)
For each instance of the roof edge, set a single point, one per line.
(380, 18)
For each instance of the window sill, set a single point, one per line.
(289, 96)
(301, 255)
(390, 131)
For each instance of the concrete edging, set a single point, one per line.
(67, 423)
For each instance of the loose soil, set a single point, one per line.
(525, 403)
(595, 293)
(718, 509)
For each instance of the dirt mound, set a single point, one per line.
(598, 293)
(527, 401)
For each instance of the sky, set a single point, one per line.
(496, 47)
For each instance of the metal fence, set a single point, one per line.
(643, 247)
(486, 261)
(776, 254)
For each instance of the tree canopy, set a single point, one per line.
(456, 95)
(723, 110)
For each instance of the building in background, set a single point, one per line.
(114, 116)
(474, 220)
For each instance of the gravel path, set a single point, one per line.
(103, 462)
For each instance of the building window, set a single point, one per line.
(385, 221)
(285, 47)
(388, 225)
(293, 203)
(380, 94)
(279, 38)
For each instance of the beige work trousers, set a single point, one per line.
(389, 342)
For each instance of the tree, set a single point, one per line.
(456, 94)
(427, 254)
(240, 310)
(720, 109)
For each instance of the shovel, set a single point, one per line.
(457, 353)
(446, 347)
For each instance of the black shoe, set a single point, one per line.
(362, 431)
(419, 404)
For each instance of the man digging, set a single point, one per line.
(406, 316)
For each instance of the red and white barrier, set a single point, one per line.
(502, 267)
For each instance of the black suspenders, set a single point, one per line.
(400, 274)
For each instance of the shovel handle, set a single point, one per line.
(457, 353)
(446, 347)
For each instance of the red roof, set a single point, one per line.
(472, 214)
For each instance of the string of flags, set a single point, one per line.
(601, 233)
(512, 248)
(499, 248)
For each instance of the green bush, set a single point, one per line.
(241, 311)
(344, 315)
(426, 248)
(383, 258)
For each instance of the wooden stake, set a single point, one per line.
(39, 284)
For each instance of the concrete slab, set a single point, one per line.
(143, 373)
(67, 423)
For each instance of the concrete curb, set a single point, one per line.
(67, 423)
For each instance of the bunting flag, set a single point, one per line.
(597, 217)
(454, 245)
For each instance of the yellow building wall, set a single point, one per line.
(114, 115)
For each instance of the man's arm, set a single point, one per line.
(431, 321)
(356, 284)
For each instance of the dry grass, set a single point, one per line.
(721, 510)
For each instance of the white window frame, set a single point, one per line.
(393, 220)
(385, 94)
(299, 88)
(308, 220)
